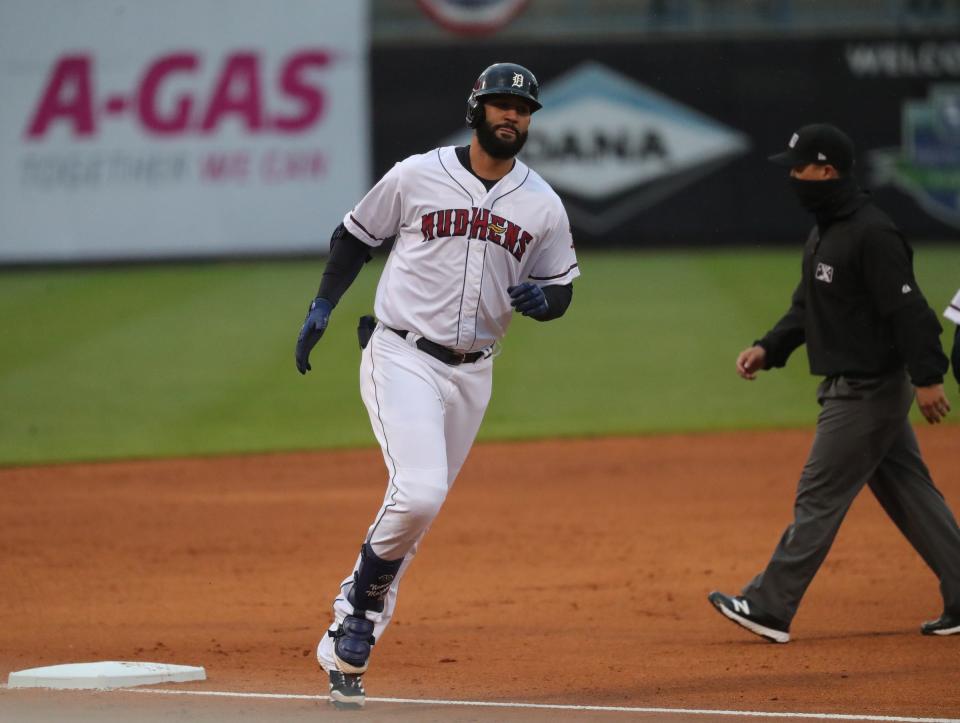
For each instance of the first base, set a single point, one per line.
(106, 674)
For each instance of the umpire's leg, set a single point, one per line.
(904, 488)
(857, 425)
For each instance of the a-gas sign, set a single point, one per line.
(187, 128)
(238, 91)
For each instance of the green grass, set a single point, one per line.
(146, 361)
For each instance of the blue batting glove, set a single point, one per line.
(313, 327)
(528, 299)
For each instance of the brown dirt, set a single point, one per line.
(571, 572)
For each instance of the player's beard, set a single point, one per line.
(496, 146)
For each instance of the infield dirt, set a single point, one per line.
(558, 572)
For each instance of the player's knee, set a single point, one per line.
(421, 496)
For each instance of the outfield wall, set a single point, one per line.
(133, 129)
(137, 130)
(663, 141)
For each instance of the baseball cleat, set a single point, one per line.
(346, 691)
(740, 610)
(946, 624)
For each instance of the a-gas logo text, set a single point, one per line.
(170, 98)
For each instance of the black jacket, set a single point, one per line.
(858, 306)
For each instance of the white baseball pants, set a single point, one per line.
(425, 415)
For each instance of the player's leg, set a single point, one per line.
(464, 408)
(906, 491)
(403, 394)
(857, 424)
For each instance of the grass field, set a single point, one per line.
(146, 361)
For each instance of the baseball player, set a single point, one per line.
(478, 235)
(952, 312)
(871, 334)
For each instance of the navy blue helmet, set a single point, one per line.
(502, 79)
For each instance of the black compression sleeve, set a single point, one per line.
(348, 254)
(558, 299)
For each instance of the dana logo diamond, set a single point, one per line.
(927, 166)
(824, 273)
(614, 147)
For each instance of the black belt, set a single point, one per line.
(447, 356)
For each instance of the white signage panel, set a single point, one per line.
(131, 129)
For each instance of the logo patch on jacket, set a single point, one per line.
(824, 273)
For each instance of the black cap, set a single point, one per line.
(819, 143)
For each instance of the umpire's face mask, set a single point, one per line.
(819, 197)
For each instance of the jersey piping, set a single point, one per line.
(386, 445)
(463, 286)
(512, 189)
(469, 195)
(476, 313)
(557, 276)
(361, 227)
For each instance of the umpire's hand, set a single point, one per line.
(750, 361)
(933, 403)
(313, 327)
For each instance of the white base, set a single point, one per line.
(103, 675)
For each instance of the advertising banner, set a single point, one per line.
(188, 128)
(665, 142)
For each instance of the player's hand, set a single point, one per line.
(751, 361)
(313, 327)
(528, 299)
(933, 403)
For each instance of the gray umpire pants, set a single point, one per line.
(863, 437)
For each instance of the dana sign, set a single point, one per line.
(146, 130)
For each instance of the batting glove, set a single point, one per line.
(313, 327)
(528, 299)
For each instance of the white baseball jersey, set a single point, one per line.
(459, 246)
(952, 312)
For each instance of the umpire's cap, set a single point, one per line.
(819, 143)
(502, 79)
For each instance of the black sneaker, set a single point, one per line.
(739, 610)
(946, 624)
(346, 691)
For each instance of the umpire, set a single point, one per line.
(871, 334)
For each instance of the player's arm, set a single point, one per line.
(348, 254)
(542, 303)
(555, 267)
(371, 222)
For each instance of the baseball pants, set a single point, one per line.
(863, 437)
(425, 415)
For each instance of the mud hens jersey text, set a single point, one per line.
(459, 246)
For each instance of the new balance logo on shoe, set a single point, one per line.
(738, 610)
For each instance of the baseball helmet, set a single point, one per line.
(502, 79)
